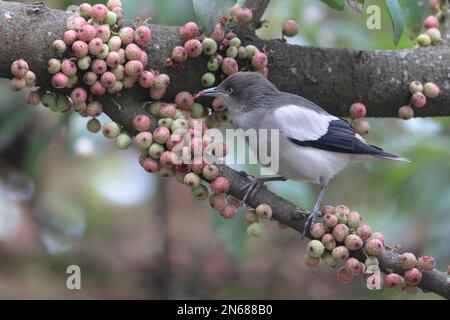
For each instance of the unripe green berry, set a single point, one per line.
(54, 66)
(250, 49)
(200, 193)
(111, 130)
(371, 261)
(197, 111)
(111, 18)
(415, 86)
(232, 52)
(155, 151)
(250, 217)
(362, 127)
(315, 248)
(192, 180)
(94, 109)
(431, 90)
(256, 229)
(423, 40)
(48, 100)
(209, 46)
(213, 65)
(123, 141)
(435, 35)
(353, 219)
(208, 79)
(94, 125)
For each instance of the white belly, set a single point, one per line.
(309, 164)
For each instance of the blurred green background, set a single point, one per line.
(68, 197)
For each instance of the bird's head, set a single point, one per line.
(243, 91)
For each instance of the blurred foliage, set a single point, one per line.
(68, 197)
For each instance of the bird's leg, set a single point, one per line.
(315, 212)
(255, 185)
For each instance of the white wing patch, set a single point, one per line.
(301, 123)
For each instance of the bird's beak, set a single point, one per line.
(211, 92)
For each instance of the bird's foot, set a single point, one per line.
(252, 188)
(311, 219)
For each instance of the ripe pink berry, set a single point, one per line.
(330, 220)
(364, 231)
(108, 79)
(290, 28)
(80, 49)
(60, 80)
(85, 10)
(87, 33)
(218, 105)
(161, 134)
(133, 52)
(104, 33)
(407, 260)
(259, 60)
(413, 276)
(426, 263)
(69, 68)
(419, 100)
(353, 242)
(113, 59)
(142, 123)
(99, 66)
(157, 94)
(218, 202)
(318, 230)
(405, 112)
(340, 232)
(229, 212)
(328, 241)
(431, 22)
(95, 46)
(220, 185)
(229, 66)
(184, 100)
(374, 247)
(167, 111)
(343, 276)
(392, 280)
(244, 15)
(189, 31)
(19, 68)
(89, 78)
(179, 54)
(99, 12)
(354, 267)
(378, 235)
(142, 36)
(134, 68)
(126, 34)
(193, 48)
(218, 34)
(168, 159)
(146, 79)
(78, 95)
(358, 110)
(69, 37)
(150, 165)
(77, 23)
(98, 89)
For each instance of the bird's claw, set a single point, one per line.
(311, 219)
(252, 188)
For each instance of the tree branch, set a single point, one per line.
(258, 8)
(334, 78)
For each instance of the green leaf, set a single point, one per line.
(395, 12)
(208, 12)
(335, 4)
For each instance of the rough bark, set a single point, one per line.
(333, 78)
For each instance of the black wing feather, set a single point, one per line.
(341, 138)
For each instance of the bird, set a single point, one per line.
(314, 145)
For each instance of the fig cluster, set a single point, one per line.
(432, 34)
(419, 99)
(358, 111)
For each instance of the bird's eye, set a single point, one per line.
(230, 90)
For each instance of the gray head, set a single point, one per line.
(243, 91)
